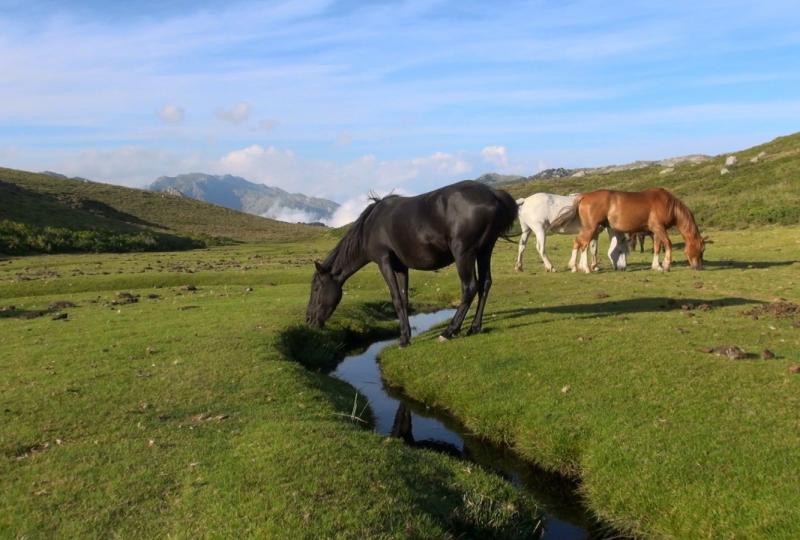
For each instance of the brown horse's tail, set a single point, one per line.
(567, 215)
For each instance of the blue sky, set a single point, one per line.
(337, 98)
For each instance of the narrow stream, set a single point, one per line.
(400, 416)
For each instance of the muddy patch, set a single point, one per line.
(781, 309)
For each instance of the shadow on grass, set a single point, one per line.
(719, 265)
(632, 305)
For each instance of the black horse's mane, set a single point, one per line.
(349, 247)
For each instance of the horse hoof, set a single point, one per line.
(442, 339)
(473, 331)
(518, 269)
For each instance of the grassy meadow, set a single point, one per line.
(171, 402)
(605, 378)
(181, 396)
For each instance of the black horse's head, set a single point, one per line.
(326, 293)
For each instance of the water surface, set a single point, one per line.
(398, 415)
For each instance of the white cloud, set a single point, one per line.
(443, 163)
(350, 209)
(235, 115)
(496, 155)
(344, 139)
(171, 114)
(289, 215)
(127, 165)
(283, 168)
(267, 124)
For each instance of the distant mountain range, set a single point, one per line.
(240, 194)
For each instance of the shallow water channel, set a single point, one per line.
(400, 416)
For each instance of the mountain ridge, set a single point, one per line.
(240, 194)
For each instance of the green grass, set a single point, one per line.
(39, 200)
(190, 414)
(751, 194)
(602, 377)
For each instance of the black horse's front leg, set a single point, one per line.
(465, 264)
(400, 305)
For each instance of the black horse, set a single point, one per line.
(460, 223)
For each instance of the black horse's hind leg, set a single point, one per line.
(484, 284)
(388, 270)
(465, 264)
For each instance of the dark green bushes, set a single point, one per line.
(21, 239)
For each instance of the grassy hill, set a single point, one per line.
(33, 202)
(760, 193)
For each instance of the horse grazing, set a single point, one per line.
(460, 223)
(536, 214)
(653, 210)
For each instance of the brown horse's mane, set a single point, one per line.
(684, 219)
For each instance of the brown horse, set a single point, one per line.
(653, 210)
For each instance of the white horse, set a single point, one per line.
(540, 209)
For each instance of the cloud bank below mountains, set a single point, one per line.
(137, 166)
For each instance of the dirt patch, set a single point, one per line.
(61, 304)
(781, 309)
(124, 298)
(704, 306)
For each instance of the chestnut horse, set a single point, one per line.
(458, 223)
(653, 210)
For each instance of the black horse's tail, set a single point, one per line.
(507, 214)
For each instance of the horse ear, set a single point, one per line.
(319, 267)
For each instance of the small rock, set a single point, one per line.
(731, 351)
(565, 389)
(248, 289)
(151, 350)
(188, 288)
(767, 354)
(667, 170)
(60, 317)
(730, 161)
(723, 171)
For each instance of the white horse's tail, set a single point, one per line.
(520, 202)
(566, 215)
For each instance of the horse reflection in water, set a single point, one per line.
(402, 429)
